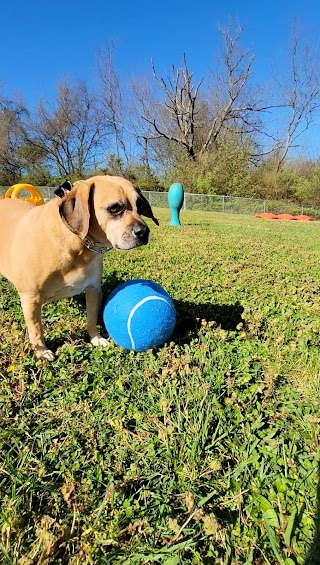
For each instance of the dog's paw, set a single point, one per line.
(99, 341)
(45, 354)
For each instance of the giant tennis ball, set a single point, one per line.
(139, 315)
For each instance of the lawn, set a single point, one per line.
(203, 451)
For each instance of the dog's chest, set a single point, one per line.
(67, 291)
(71, 284)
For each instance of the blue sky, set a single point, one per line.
(43, 41)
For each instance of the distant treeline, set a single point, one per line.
(222, 134)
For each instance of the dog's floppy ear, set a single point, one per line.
(75, 209)
(144, 208)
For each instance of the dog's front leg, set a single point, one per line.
(31, 307)
(93, 302)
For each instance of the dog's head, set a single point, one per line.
(109, 210)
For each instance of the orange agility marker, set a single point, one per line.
(35, 194)
(267, 216)
(271, 216)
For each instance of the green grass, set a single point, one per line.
(203, 451)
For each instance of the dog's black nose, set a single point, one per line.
(141, 231)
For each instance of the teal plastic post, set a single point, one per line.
(175, 199)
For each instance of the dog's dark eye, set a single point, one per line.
(116, 209)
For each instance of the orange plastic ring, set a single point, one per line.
(35, 194)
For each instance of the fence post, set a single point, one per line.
(264, 205)
(223, 197)
(302, 209)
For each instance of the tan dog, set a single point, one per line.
(55, 250)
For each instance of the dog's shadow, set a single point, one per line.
(190, 315)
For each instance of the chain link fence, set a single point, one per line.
(233, 204)
(212, 203)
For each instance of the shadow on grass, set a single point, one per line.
(313, 557)
(190, 315)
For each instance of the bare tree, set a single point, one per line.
(111, 98)
(72, 133)
(195, 120)
(12, 139)
(141, 114)
(299, 95)
(235, 103)
(178, 116)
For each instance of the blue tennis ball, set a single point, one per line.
(139, 315)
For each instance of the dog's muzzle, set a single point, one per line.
(141, 232)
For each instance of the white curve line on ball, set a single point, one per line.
(135, 308)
